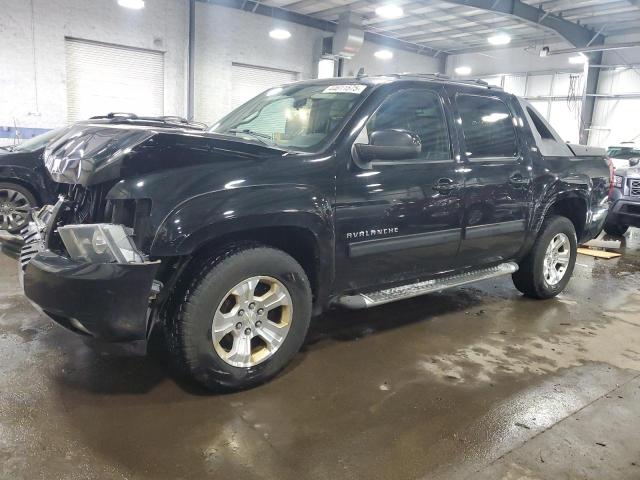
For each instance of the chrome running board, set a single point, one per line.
(372, 299)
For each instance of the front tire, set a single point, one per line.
(547, 269)
(241, 320)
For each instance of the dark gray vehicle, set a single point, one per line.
(625, 200)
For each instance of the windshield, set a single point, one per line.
(296, 117)
(38, 142)
(624, 153)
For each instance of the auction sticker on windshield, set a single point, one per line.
(344, 89)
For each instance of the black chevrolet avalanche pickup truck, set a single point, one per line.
(349, 192)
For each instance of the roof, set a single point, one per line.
(373, 80)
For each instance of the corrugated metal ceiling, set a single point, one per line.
(456, 29)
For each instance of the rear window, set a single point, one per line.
(488, 127)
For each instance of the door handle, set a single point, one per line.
(445, 185)
(517, 180)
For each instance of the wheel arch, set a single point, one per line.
(297, 219)
(24, 183)
(572, 204)
(297, 241)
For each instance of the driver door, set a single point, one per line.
(402, 219)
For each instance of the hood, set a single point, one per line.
(92, 153)
(6, 149)
(630, 172)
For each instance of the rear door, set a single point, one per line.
(497, 180)
(399, 220)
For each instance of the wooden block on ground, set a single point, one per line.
(598, 253)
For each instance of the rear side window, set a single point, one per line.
(542, 129)
(488, 127)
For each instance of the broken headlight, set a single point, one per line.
(100, 243)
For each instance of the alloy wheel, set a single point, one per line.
(252, 321)
(556, 259)
(14, 209)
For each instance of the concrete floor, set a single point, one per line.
(475, 382)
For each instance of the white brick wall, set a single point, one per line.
(162, 25)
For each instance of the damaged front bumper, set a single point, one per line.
(109, 301)
(625, 211)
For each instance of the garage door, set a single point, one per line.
(103, 78)
(248, 81)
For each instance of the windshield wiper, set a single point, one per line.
(259, 136)
(7, 148)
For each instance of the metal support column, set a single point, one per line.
(339, 67)
(588, 100)
(442, 62)
(191, 59)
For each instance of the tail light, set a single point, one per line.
(612, 172)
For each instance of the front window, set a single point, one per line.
(419, 112)
(294, 117)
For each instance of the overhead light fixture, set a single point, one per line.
(463, 70)
(133, 4)
(499, 39)
(384, 54)
(389, 11)
(280, 34)
(578, 59)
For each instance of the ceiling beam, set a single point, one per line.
(328, 26)
(577, 35)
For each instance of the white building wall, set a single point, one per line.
(161, 25)
(625, 56)
(544, 81)
(511, 60)
(402, 61)
(225, 35)
(615, 120)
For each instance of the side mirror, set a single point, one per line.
(633, 162)
(389, 145)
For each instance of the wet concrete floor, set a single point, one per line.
(476, 382)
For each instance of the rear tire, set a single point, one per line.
(205, 340)
(615, 229)
(547, 269)
(16, 203)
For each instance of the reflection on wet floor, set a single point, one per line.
(475, 379)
